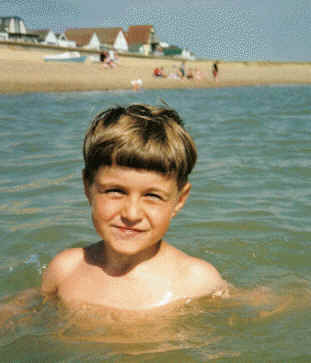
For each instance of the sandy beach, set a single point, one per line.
(24, 70)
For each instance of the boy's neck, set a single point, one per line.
(115, 264)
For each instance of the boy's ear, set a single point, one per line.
(182, 197)
(86, 187)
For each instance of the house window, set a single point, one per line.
(17, 26)
(4, 25)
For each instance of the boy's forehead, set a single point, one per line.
(123, 173)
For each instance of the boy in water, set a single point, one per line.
(137, 162)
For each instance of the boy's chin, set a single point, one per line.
(126, 249)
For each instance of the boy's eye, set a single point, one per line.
(154, 196)
(114, 191)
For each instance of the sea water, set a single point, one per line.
(248, 214)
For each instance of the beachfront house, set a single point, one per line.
(4, 36)
(83, 37)
(46, 36)
(172, 51)
(99, 38)
(142, 39)
(12, 24)
(187, 54)
(62, 41)
(175, 51)
(13, 28)
(112, 38)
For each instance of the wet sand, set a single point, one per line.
(24, 70)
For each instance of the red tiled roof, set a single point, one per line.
(42, 33)
(108, 35)
(139, 34)
(82, 36)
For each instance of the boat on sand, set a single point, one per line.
(66, 57)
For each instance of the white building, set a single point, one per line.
(83, 37)
(113, 38)
(4, 36)
(13, 28)
(64, 42)
(187, 54)
(45, 36)
(142, 39)
(12, 24)
(96, 38)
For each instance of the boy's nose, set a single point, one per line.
(131, 210)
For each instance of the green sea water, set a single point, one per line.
(248, 214)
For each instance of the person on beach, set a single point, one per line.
(137, 160)
(112, 57)
(190, 74)
(159, 72)
(197, 74)
(215, 70)
(182, 70)
(136, 84)
(108, 58)
(103, 55)
(174, 73)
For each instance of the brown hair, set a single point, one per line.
(140, 137)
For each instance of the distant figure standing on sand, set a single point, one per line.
(181, 70)
(215, 70)
(103, 56)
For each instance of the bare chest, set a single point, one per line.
(130, 292)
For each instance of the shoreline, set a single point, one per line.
(24, 70)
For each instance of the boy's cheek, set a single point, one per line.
(103, 210)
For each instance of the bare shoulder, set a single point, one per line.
(62, 265)
(66, 260)
(205, 277)
(199, 277)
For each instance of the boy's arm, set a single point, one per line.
(59, 268)
(206, 280)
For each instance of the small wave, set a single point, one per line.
(37, 184)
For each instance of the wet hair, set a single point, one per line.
(141, 137)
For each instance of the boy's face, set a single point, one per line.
(132, 209)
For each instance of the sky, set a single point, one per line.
(237, 30)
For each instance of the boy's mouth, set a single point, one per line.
(129, 230)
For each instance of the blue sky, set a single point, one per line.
(278, 30)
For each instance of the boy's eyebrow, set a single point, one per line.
(117, 184)
(110, 184)
(157, 190)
